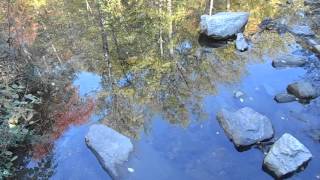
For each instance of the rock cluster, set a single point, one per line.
(246, 127)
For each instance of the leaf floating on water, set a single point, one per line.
(131, 170)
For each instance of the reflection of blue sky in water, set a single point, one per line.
(202, 150)
(87, 82)
(71, 155)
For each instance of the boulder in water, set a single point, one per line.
(245, 127)
(241, 42)
(302, 90)
(285, 98)
(286, 156)
(110, 147)
(223, 25)
(288, 61)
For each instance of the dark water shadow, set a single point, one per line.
(206, 41)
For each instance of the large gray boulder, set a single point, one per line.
(223, 25)
(110, 147)
(288, 61)
(302, 90)
(286, 156)
(245, 127)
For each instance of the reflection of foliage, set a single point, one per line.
(24, 28)
(70, 112)
(42, 170)
(270, 43)
(146, 83)
(125, 115)
(73, 112)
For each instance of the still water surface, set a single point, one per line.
(169, 108)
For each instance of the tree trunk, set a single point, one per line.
(104, 37)
(211, 7)
(228, 5)
(170, 29)
(88, 6)
(10, 39)
(160, 33)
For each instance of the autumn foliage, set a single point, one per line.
(23, 27)
(73, 112)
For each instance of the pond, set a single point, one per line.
(165, 87)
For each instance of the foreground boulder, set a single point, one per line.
(110, 147)
(285, 98)
(241, 42)
(302, 90)
(286, 156)
(288, 61)
(223, 25)
(245, 127)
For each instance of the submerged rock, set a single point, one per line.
(245, 127)
(241, 42)
(285, 98)
(301, 30)
(110, 147)
(223, 25)
(302, 90)
(315, 134)
(286, 156)
(289, 61)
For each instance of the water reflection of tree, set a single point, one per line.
(170, 84)
(144, 82)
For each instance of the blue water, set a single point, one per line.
(201, 150)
